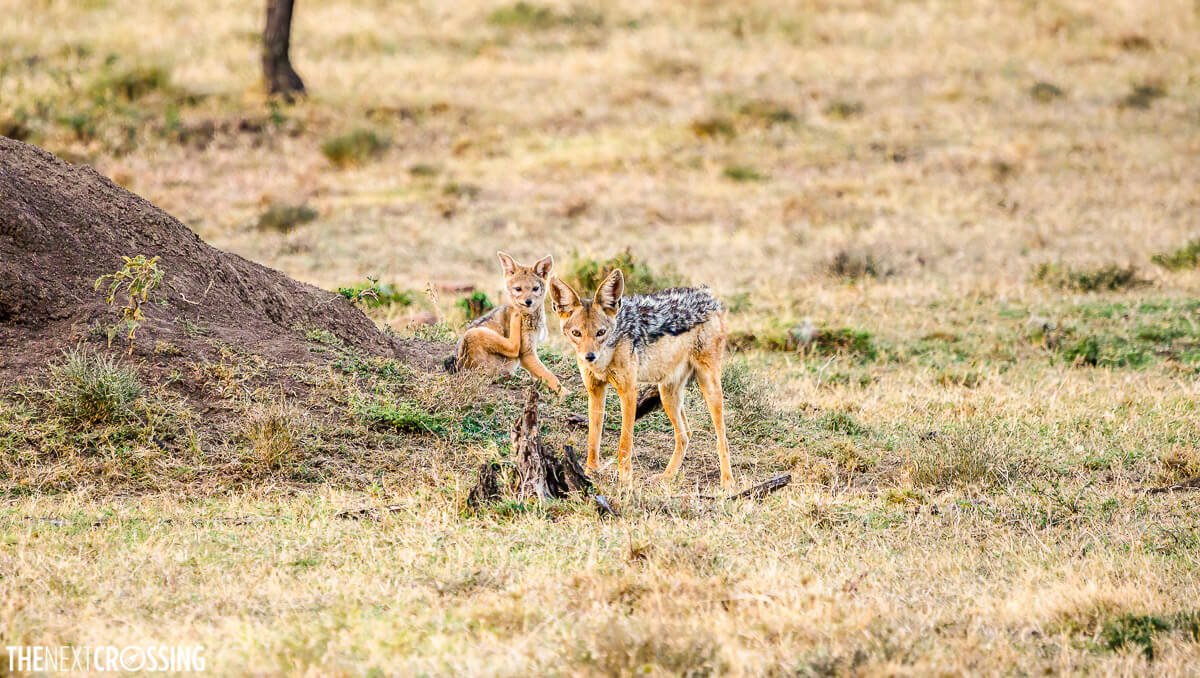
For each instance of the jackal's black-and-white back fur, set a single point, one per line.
(645, 318)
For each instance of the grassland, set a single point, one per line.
(957, 240)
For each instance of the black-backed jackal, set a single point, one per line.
(510, 333)
(664, 338)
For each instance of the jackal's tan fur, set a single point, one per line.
(510, 333)
(664, 338)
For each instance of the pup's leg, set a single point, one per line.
(708, 377)
(531, 362)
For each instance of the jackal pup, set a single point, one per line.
(510, 333)
(665, 338)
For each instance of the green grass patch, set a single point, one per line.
(743, 174)
(355, 148)
(1109, 278)
(285, 218)
(1186, 257)
(529, 16)
(404, 416)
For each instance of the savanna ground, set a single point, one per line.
(953, 237)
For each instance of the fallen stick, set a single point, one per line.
(1189, 484)
(757, 492)
(373, 512)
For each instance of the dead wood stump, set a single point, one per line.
(487, 488)
(542, 474)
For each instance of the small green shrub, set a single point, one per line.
(857, 264)
(475, 305)
(767, 112)
(713, 128)
(1044, 92)
(1136, 630)
(743, 173)
(130, 84)
(1142, 96)
(137, 279)
(844, 109)
(585, 274)
(92, 389)
(1109, 278)
(1187, 256)
(284, 218)
(354, 148)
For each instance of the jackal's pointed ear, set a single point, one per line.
(608, 295)
(562, 298)
(542, 266)
(507, 263)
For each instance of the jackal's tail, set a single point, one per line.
(450, 364)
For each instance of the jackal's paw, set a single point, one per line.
(726, 482)
(663, 478)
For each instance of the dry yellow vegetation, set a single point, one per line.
(934, 223)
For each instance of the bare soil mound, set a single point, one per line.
(64, 226)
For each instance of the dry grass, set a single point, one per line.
(871, 187)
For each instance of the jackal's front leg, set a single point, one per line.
(627, 391)
(595, 390)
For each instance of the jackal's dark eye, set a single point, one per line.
(537, 288)
(576, 333)
(600, 333)
(516, 289)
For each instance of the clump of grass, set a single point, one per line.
(1045, 92)
(1104, 350)
(354, 148)
(402, 415)
(844, 109)
(743, 173)
(466, 191)
(90, 388)
(374, 294)
(283, 217)
(958, 459)
(767, 112)
(474, 305)
(1108, 278)
(130, 84)
(1143, 95)
(713, 128)
(1133, 629)
(585, 274)
(534, 17)
(856, 263)
(273, 435)
(1187, 256)
(806, 337)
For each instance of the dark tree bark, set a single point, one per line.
(543, 474)
(280, 77)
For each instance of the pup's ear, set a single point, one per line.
(608, 295)
(543, 266)
(507, 263)
(562, 298)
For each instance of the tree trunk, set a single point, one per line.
(280, 77)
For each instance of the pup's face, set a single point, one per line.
(588, 324)
(526, 284)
